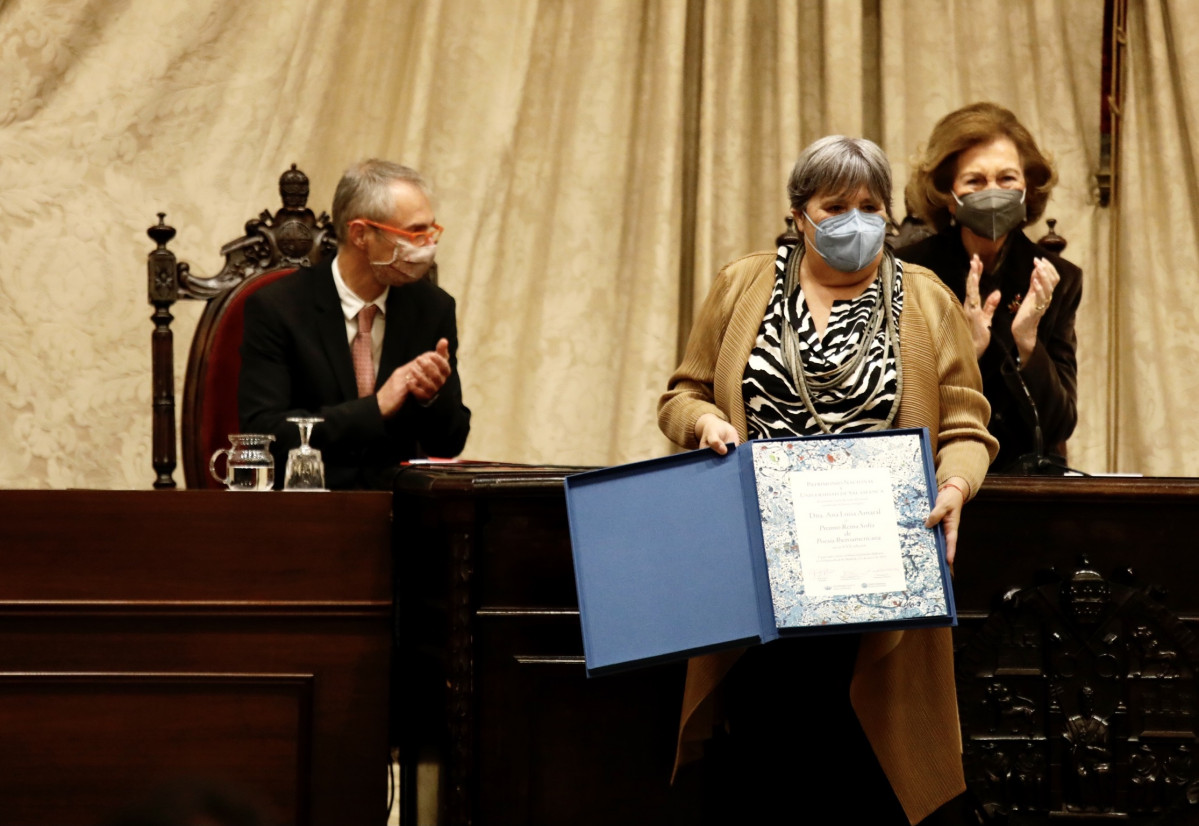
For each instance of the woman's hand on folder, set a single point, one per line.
(948, 511)
(714, 432)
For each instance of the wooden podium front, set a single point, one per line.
(488, 615)
(155, 636)
(490, 620)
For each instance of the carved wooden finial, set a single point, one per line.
(160, 232)
(790, 235)
(293, 188)
(1051, 240)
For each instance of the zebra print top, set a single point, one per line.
(774, 408)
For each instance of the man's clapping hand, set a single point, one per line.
(422, 378)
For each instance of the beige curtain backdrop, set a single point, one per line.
(596, 163)
(1153, 315)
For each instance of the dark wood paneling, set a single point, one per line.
(554, 746)
(486, 585)
(193, 546)
(120, 734)
(487, 590)
(150, 634)
(1017, 527)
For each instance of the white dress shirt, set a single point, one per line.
(351, 305)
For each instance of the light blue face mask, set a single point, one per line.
(848, 242)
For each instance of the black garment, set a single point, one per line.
(794, 752)
(1051, 372)
(296, 362)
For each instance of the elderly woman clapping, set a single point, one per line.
(980, 180)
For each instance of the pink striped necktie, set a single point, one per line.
(364, 366)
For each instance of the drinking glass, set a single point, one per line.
(305, 469)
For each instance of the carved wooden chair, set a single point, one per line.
(273, 246)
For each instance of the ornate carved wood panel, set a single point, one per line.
(1078, 698)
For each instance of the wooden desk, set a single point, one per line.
(492, 616)
(160, 634)
(1019, 526)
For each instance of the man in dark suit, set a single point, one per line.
(363, 341)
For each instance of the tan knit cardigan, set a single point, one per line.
(902, 688)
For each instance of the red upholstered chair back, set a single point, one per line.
(210, 390)
(273, 246)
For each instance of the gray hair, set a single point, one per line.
(364, 191)
(837, 164)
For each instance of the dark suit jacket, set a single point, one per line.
(1051, 372)
(296, 362)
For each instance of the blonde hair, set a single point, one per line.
(929, 191)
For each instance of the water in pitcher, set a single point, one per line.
(251, 477)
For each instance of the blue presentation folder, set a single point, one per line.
(670, 562)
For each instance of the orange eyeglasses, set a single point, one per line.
(420, 239)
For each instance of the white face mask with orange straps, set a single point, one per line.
(413, 254)
(409, 260)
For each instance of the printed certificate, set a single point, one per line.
(845, 527)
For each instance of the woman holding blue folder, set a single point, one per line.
(831, 334)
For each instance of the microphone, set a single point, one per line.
(1037, 462)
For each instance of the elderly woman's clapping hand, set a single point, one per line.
(979, 313)
(1032, 308)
